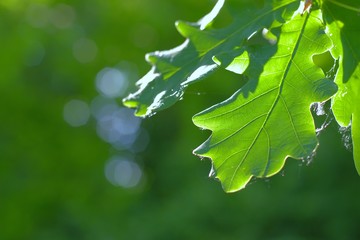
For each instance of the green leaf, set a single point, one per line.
(173, 70)
(344, 30)
(269, 119)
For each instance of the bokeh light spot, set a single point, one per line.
(119, 127)
(111, 82)
(63, 16)
(85, 50)
(37, 15)
(122, 172)
(76, 113)
(101, 106)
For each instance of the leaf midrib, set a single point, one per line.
(275, 101)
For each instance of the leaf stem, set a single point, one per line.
(345, 6)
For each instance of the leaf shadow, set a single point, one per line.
(348, 23)
(249, 59)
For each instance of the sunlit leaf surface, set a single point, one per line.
(269, 119)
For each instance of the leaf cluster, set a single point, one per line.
(268, 119)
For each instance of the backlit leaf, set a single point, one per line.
(269, 119)
(344, 30)
(173, 70)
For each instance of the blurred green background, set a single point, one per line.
(74, 164)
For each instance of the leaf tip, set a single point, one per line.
(236, 186)
(201, 150)
(151, 58)
(185, 28)
(209, 18)
(140, 109)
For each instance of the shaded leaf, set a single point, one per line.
(173, 70)
(269, 119)
(344, 30)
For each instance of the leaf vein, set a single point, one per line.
(234, 133)
(288, 66)
(268, 152)
(238, 107)
(292, 123)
